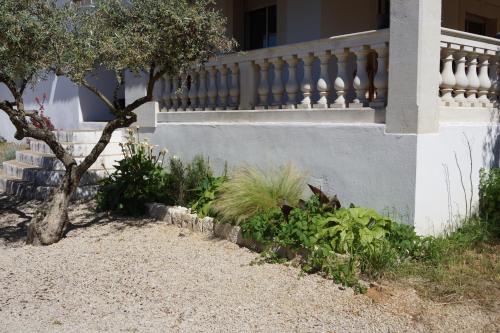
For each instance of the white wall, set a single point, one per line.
(360, 163)
(440, 200)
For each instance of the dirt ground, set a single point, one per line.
(137, 275)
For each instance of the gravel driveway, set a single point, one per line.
(143, 276)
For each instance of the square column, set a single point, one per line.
(414, 48)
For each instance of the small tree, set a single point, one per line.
(156, 37)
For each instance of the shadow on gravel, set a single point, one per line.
(13, 228)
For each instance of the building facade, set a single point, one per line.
(389, 104)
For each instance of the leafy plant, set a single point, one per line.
(250, 191)
(489, 200)
(41, 121)
(139, 178)
(206, 193)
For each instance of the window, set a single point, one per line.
(475, 24)
(261, 28)
(383, 17)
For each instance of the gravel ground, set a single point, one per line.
(115, 275)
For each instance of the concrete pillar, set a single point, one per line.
(415, 35)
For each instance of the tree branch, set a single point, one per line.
(100, 95)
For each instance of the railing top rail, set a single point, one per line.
(320, 45)
(472, 40)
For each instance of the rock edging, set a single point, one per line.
(183, 217)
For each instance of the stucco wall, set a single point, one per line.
(360, 163)
(440, 198)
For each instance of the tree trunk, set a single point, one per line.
(51, 219)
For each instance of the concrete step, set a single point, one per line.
(88, 136)
(50, 162)
(76, 149)
(26, 190)
(43, 177)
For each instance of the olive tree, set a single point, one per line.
(40, 37)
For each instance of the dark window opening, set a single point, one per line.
(475, 24)
(261, 28)
(384, 11)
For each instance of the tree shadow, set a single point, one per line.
(20, 209)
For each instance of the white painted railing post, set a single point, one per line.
(494, 92)
(184, 91)
(448, 80)
(212, 88)
(306, 84)
(234, 91)
(361, 81)
(323, 85)
(484, 80)
(263, 89)
(277, 88)
(473, 79)
(380, 81)
(461, 80)
(292, 86)
(174, 94)
(166, 92)
(193, 91)
(202, 90)
(341, 81)
(223, 90)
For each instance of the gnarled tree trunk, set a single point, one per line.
(51, 219)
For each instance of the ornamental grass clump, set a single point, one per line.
(250, 191)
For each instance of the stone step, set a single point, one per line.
(87, 136)
(43, 177)
(76, 149)
(26, 190)
(50, 162)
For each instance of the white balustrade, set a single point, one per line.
(475, 59)
(323, 84)
(174, 93)
(277, 88)
(448, 80)
(306, 84)
(234, 91)
(361, 81)
(263, 89)
(380, 81)
(494, 93)
(292, 86)
(212, 88)
(184, 92)
(472, 78)
(341, 81)
(202, 90)
(223, 90)
(193, 91)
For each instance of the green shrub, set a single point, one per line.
(8, 151)
(489, 200)
(139, 178)
(206, 193)
(251, 191)
(184, 181)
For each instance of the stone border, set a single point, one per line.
(182, 217)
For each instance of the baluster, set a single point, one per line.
(484, 81)
(306, 84)
(340, 83)
(292, 86)
(167, 92)
(223, 90)
(461, 81)
(473, 79)
(277, 88)
(381, 78)
(263, 89)
(448, 80)
(174, 94)
(193, 91)
(323, 85)
(184, 91)
(361, 81)
(212, 88)
(494, 92)
(202, 90)
(234, 91)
